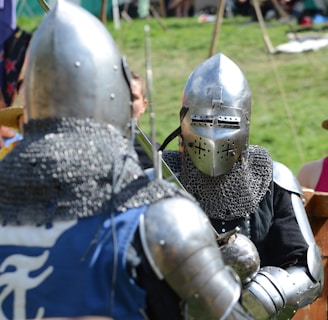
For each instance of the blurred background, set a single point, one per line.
(282, 51)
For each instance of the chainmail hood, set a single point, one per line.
(230, 196)
(67, 168)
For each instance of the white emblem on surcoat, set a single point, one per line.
(16, 269)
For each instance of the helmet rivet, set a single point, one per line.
(115, 68)
(112, 96)
(77, 64)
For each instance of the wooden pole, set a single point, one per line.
(44, 5)
(157, 17)
(124, 12)
(260, 19)
(217, 25)
(283, 14)
(103, 11)
(162, 8)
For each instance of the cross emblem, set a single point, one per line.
(199, 147)
(228, 150)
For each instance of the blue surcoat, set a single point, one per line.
(70, 269)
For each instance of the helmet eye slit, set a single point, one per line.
(215, 121)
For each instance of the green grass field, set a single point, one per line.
(289, 90)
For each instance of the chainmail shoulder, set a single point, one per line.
(230, 196)
(67, 168)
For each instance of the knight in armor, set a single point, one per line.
(240, 187)
(84, 232)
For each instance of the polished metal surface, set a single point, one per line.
(75, 69)
(215, 127)
(181, 248)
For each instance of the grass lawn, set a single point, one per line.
(289, 90)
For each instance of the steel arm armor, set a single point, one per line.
(278, 293)
(181, 248)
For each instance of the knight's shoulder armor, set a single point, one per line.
(280, 292)
(285, 178)
(181, 247)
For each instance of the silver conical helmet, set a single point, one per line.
(75, 69)
(215, 115)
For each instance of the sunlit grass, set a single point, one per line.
(289, 90)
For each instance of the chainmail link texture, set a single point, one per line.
(230, 196)
(67, 168)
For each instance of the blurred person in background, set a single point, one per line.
(314, 174)
(8, 134)
(181, 8)
(139, 107)
(7, 28)
(139, 96)
(13, 46)
(11, 118)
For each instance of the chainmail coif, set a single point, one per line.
(67, 168)
(230, 196)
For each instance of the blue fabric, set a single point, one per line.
(73, 276)
(7, 27)
(7, 20)
(8, 141)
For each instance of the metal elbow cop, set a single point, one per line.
(181, 248)
(278, 293)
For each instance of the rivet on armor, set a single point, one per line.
(162, 242)
(77, 64)
(115, 67)
(112, 96)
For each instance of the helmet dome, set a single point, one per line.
(76, 70)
